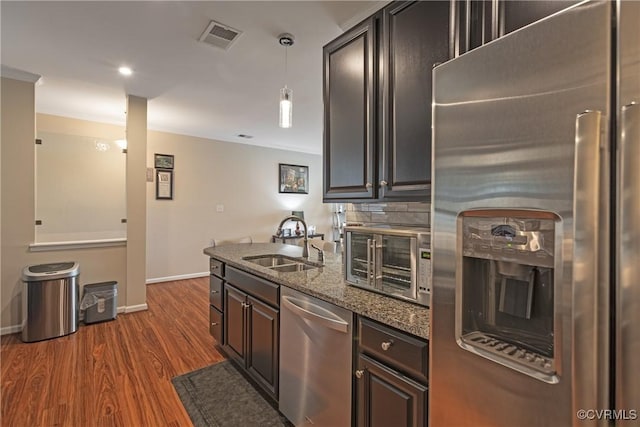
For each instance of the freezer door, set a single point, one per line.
(628, 268)
(522, 124)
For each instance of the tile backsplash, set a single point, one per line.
(395, 213)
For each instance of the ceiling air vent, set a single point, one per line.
(219, 35)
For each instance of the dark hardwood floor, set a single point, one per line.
(116, 373)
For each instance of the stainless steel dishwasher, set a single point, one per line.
(315, 360)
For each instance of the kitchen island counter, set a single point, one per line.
(328, 284)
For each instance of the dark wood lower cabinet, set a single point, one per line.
(251, 336)
(387, 398)
(262, 353)
(234, 322)
(216, 303)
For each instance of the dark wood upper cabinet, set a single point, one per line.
(377, 100)
(474, 21)
(480, 21)
(349, 113)
(415, 37)
(513, 15)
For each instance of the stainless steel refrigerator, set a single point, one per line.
(536, 225)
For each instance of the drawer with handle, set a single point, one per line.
(216, 267)
(215, 324)
(267, 291)
(215, 292)
(404, 352)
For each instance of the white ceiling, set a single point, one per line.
(193, 88)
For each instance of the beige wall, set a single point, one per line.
(136, 201)
(18, 134)
(242, 178)
(91, 181)
(18, 203)
(18, 213)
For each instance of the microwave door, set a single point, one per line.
(358, 258)
(397, 266)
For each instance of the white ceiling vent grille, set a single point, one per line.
(220, 35)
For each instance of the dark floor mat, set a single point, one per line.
(219, 396)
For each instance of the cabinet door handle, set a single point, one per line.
(214, 323)
(383, 183)
(214, 292)
(386, 345)
(368, 185)
(359, 373)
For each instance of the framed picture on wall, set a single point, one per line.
(164, 184)
(163, 161)
(293, 179)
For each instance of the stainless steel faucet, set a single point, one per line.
(305, 247)
(320, 253)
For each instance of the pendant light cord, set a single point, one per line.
(286, 48)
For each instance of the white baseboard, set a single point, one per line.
(10, 329)
(7, 330)
(134, 308)
(178, 277)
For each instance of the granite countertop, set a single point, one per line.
(327, 283)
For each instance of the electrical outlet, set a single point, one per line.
(219, 208)
(149, 174)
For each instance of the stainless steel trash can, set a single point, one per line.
(50, 300)
(99, 302)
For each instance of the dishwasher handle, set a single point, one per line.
(319, 315)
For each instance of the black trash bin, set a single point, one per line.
(99, 302)
(50, 300)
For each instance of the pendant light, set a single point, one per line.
(286, 94)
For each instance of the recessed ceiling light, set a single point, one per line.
(125, 71)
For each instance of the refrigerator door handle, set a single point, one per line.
(628, 269)
(588, 138)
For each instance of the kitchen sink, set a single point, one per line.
(270, 260)
(288, 268)
(282, 263)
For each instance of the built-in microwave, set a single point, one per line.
(393, 261)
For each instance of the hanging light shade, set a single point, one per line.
(286, 107)
(286, 94)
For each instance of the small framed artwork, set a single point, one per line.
(294, 179)
(286, 232)
(163, 161)
(164, 184)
